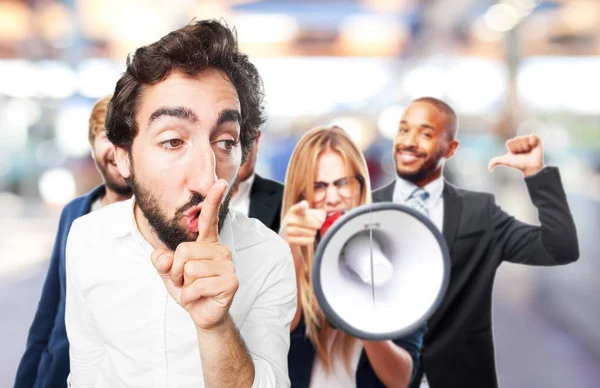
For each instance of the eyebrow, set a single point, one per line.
(333, 182)
(422, 125)
(228, 115)
(179, 112)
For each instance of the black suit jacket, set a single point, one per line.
(265, 202)
(458, 348)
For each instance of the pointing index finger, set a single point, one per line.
(208, 220)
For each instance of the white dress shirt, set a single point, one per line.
(241, 200)
(434, 204)
(125, 330)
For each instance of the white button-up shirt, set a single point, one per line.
(125, 330)
(241, 200)
(434, 204)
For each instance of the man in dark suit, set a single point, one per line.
(256, 196)
(46, 359)
(458, 348)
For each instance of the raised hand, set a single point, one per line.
(300, 224)
(525, 153)
(200, 275)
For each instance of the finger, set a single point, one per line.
(297, 231)
(208, 220)
(209, 287)
(196, 269)
(513, 146)
(533, 140)
(306, 221)
(503, 160)
(317, 214)
(189, 251)
(301, 240)
(299, 208)
(162, 260)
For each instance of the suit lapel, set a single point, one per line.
(386, 193)
(452, 211)
(262, 206)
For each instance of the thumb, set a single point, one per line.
(504, 160)
(162, 260)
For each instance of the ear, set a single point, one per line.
(452, 147)
(122, 161)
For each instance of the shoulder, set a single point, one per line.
(265, 184)
(471, 197)
(100, 227)
(77, 208)
(384, 193)
(249, 232)
(253, 239)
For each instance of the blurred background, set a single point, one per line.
(508, 68)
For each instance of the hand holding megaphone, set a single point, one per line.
(301, 224)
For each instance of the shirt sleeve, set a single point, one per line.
(412, 344)
(266, 329)
(85, 346)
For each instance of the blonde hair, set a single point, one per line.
(97, 118)
(299, 185)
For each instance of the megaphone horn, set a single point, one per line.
(380, 271)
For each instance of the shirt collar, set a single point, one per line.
(125, 225)
(245, 186)
(403, 189)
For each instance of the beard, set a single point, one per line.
(429, 166)
(169, 230)
(117, 185)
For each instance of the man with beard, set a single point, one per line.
(46, 359)
(152, 280)
(255, 196)
(458, 348)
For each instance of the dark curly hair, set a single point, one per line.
(192, 49)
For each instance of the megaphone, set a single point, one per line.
(380, 271)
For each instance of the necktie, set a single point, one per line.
(417, 200)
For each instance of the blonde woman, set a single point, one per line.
(327, 173)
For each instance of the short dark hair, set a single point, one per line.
(201, 45)
(452, 127)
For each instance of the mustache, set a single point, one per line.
(411, 150)
(195, 199)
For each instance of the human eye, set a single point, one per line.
(226, 145)
(342, 182)
(171, 144)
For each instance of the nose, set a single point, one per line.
(201, 171)
(410, 140)
(333, 197)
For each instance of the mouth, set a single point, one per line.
(191, 217)
(409, 157)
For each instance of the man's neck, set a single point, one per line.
(430, 178)
(111, 196)
(146, 230)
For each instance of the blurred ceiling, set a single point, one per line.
(74, 29)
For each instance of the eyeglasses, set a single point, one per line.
(346, 187)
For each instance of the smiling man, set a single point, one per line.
(458, 349)
(170, 288)
(46, 359)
